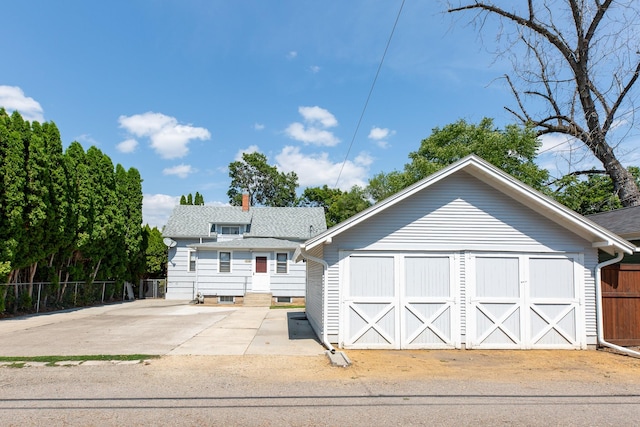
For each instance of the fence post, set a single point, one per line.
(39, 290)
(75, 295)
(104, 284)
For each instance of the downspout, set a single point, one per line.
(600, 323)
(325, 295)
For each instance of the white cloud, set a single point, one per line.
(258, 126)
(380, 135)
(182, 171)
(292, 54)
(249, 149)
(314, 69)
(316, 115)
(168, 138)
(12, 98)
(127, 146)
(555, 142)
(318, 169)
(314, 131)
(156, 208)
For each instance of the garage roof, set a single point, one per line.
(599, 236)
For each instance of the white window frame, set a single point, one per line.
(290, 300)
(220, 261)
(190, 253)
(220, 301)
(280, 263)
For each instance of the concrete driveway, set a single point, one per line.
(160, 327)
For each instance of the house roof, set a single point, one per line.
(503, 182)
(624, 222)
(248, 243)
(296, 223)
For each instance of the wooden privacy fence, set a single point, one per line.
(621, 304)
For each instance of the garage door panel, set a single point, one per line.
(553, 325)
(400, 301)
(427, 277)
(551, 278)
(371, 323)
(372, 277)
(497, 277)
(427, 325)
(543, 313)
(498, 324)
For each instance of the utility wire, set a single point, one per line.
(373, 84)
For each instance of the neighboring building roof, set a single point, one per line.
(503, 182)
(248, 243)
(624, 222)
(285, 223)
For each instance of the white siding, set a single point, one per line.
(458, 214)
(590, 263)
(313, 298)
(239, 280)
(180, 282)
(184, 284)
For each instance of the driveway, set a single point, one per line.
(160, 327)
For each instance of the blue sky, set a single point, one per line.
(180, 88)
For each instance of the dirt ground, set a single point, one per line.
(503, 366)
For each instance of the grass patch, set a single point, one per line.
(275, 307)
(54, 359)
(16, 365)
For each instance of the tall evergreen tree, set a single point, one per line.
(198, 199)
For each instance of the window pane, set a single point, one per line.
(192, 261)
(230, 230)
(281, 263)
(225, 262)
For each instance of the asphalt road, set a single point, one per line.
(260, 367)
(195, 393)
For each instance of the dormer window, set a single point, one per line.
(230, 229)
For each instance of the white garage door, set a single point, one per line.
(400, 301)
(524, 301)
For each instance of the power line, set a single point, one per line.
(373, 84)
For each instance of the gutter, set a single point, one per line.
(325, 295)
(601, 340)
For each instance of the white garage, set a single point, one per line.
(467, 258)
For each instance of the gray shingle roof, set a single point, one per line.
(298, 223)
(624, 222)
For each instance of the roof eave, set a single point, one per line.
(492, 176)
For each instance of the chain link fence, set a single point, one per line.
(46, 296)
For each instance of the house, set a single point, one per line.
(625, 223)
(469, 257)
(621, 280)
(227, 253)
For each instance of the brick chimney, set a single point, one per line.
(245, 202)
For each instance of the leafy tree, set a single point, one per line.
(338, 205)
(512, 150)
(264, 184)
(592, 195)
(13, 179)
(189, 199)
(581, 66)
(155, 253)
(183, 200)
(129, 191)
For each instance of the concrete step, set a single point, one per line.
(255, 299)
